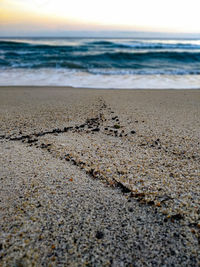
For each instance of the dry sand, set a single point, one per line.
(99, 177)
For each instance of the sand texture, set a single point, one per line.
(99, 177)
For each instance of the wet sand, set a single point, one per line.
(99, 177)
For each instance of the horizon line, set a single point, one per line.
(101, 34)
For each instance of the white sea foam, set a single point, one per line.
(64, 77)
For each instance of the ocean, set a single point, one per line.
(101, 63)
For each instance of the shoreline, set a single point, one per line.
(88, 88)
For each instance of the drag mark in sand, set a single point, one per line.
(142, 167)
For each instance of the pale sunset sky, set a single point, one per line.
(37, 17)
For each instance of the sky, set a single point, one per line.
(57, 17)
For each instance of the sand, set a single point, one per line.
(99, 177)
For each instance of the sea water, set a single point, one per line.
(101, 63)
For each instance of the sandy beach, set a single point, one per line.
(99, 177)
